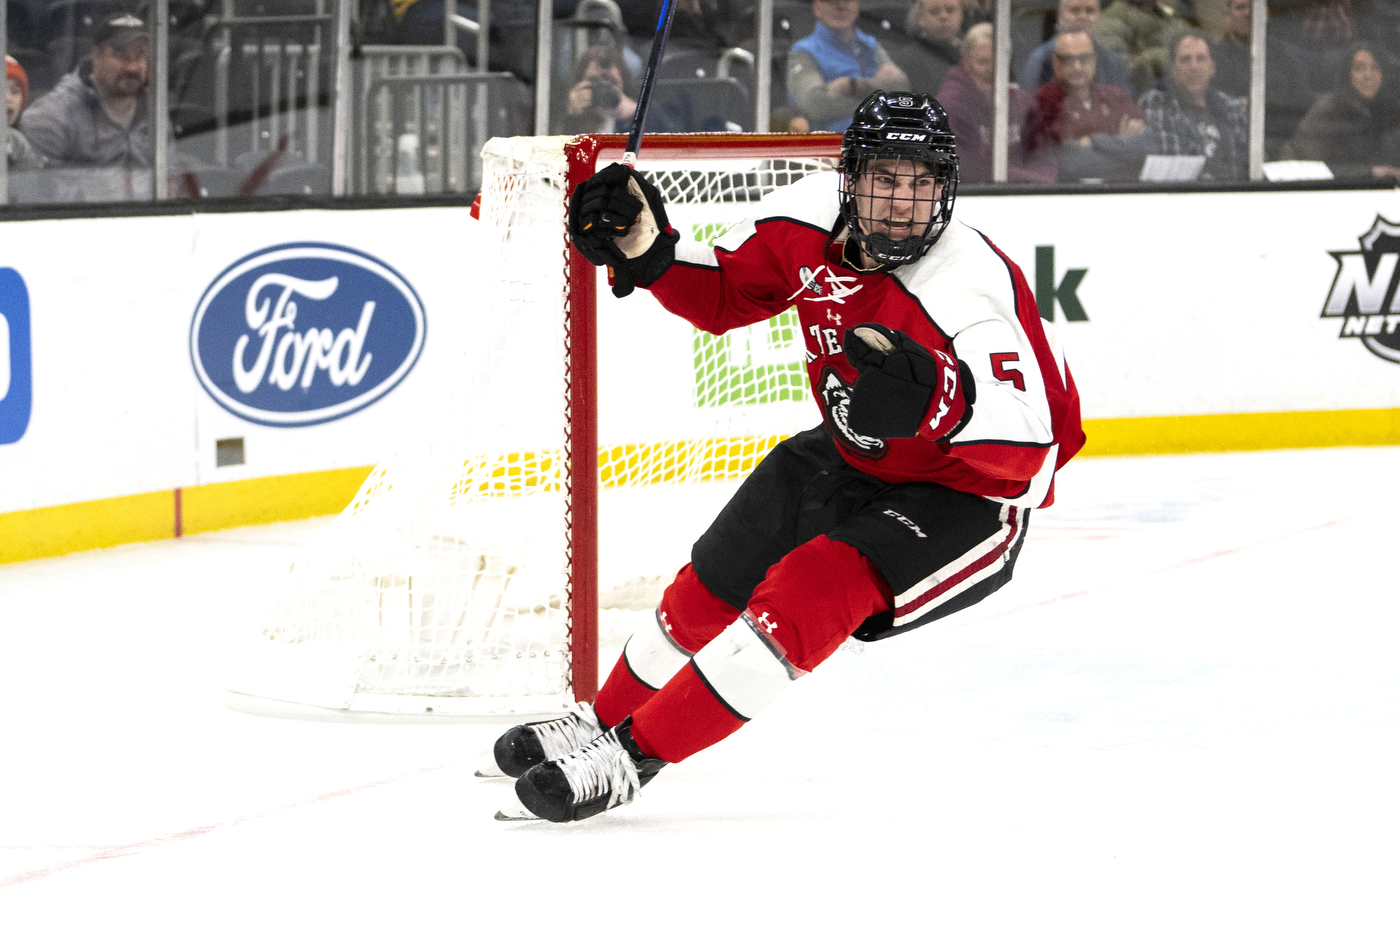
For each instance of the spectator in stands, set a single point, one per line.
(1353, 129)
(1140, 31)
(1186, 115)
(838, 66)
(97, 116)
(600, 98)
(966, 95)
(1095, 129)
(1322, 32)
(21, 153)
(1074, 16)
(930, 43)
(1287, 93)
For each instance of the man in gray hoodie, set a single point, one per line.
(98, 115)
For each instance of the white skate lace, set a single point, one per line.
(561, 736)
(602, 766)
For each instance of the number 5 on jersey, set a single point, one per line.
(1005, 374)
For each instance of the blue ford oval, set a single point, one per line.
(305, 333)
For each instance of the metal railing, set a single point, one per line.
(277, 62)
(423, 133)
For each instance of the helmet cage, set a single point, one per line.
(860, 210)
(908, 128)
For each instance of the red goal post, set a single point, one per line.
(584, 154)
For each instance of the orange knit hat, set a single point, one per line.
(15, 70)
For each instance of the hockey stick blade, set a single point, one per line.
(516, 813)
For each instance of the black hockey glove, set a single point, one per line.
(904, 390)
(617, 219)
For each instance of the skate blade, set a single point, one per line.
(516, 813)
(486, 767)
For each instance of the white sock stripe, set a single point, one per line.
(742, 669)
(652, 654)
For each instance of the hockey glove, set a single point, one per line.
(617, 219)
(904, 390)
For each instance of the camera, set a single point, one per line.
(605, 96)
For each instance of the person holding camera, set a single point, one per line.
(598, 100)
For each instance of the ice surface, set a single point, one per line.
(1183, 713)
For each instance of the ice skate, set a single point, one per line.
(603, 774)
(524, 746)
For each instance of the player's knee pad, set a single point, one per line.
(813, 598)
(691, 614)
(652, 655)
(744, 668)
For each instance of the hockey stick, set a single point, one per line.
(658, 48)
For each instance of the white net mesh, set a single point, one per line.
(444, 585)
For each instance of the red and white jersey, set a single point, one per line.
(964, 297)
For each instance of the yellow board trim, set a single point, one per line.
(1223, 433)
(60, 529)
(269, 500)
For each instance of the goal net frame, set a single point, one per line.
(464, 578)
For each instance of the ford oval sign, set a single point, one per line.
(305, 333)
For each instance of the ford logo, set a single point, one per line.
(305, 333)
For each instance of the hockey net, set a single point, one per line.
(583, 443)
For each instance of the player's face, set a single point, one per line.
(1074, 60)
(1193, 68)
(896, 198)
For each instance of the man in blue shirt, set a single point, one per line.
(837, 66)
(1074, 16)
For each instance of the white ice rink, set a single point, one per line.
(1184, 713)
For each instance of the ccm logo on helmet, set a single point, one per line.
(907, 137)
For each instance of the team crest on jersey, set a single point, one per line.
(836, 288)
(1365, 292)
(836, 401)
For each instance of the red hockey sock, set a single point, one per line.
(682, 718)
(692, 616)
(621, 695)
(695, 614)
(816, 596)
(809, 603)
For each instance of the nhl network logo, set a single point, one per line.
(1364, 291)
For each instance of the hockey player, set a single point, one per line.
(946, 407)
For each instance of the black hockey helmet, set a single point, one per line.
(910, 127)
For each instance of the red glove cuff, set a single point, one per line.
(949, 405)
